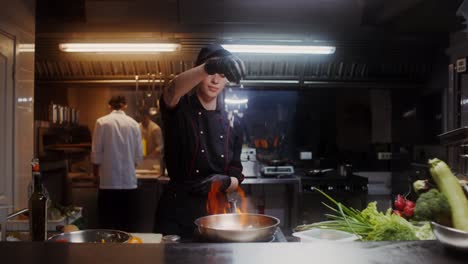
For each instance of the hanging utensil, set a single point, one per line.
(136, 90)
(153, 110)
(153, 80)
(149, 93)
(160, 90)
(139, 104)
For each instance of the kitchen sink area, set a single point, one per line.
(16, 224)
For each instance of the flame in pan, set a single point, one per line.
(217, 202)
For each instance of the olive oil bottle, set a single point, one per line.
(37, 206)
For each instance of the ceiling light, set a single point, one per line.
(281, 49)
(118, 47)
(26, 47)
(270, 81)
(254, 82)
(235, 101)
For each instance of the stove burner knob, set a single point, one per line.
(330, 188)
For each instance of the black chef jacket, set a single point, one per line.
(197, 143)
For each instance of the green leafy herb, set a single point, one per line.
(370, 224)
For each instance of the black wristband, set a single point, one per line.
(210, 67)
(226, 183)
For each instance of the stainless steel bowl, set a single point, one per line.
(450, 237)
(237, 227)
(93, 236)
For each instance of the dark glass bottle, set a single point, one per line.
(37, 206)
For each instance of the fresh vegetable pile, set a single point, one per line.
(370, 224)
(450, 187)
(442, 201)
(432, 206)
(403, 207)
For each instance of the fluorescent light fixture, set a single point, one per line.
(26, 47)
(236, 101)
(279, 49)
(132, 81)
(260, 82)
(247, 82)
(118, 47)
(270, 81)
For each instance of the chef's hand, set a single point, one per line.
(231, 66)
(204, 186)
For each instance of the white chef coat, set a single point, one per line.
(117, 148)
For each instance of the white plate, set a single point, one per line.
(149, 237)
(318, 234)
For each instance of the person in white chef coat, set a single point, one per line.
(116, 151)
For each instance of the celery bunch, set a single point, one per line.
(449, 185)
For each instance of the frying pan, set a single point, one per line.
(93, 236)
(237, 227)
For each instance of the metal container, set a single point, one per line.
(93, 236)
(171, 239)
(450, 237)
(72, 116)
(77, 117)
(237, 227)
(60, 115)
(65, 115)
(53, 113)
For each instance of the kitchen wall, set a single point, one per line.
(90, 101)
(44, 96)
(353, 120)
(337, 124)
(418, 117)
(17, 18)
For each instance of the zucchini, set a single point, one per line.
(449, 185)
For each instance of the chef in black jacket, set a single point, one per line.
(201, 145)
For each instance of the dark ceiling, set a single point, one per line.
(376, 40)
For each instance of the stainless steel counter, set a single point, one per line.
(414, 252)
(261, 180)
